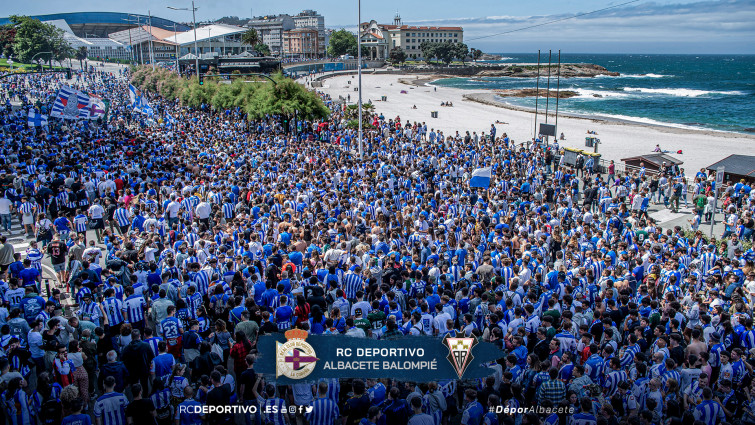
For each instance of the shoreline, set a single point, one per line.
(413, 98)
(488, 98)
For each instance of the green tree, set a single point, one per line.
(287, 98)
(81, 54)
(446, 52)
(429, 50)
(342, 42)
(352, 115)
(250, 37)
(476, 53)
(262, 49)
(461, 51)
(33, 36)
(397, 55)
(7, 37)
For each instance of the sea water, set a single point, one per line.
(715, 92)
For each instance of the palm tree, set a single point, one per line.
(250, 38)
(81, 54)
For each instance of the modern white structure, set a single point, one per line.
(212, 40)
(97, 48)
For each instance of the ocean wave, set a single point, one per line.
(682, 92)
(599, 94)
(649, 75)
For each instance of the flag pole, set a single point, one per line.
(537, 93)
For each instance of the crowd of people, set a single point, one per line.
(177, 243)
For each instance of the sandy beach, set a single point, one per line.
(619, 139)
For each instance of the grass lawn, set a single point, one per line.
(25, 66)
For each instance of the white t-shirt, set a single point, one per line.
(96, 212)
(5, 205)
(172, 209)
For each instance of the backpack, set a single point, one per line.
(219, 307)
(163, 414)
(51, 412)
(330, 297)
(452, 409)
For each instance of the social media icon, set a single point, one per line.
(291, 409)
(309, 409)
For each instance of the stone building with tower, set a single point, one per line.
(379, 39)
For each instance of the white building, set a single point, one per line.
(212, 40)
(409, 37)
(97, 48)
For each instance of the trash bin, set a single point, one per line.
(433, 114)
(589, 142)
(356, 88)
(384, 98)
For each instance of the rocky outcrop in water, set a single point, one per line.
(572, 70)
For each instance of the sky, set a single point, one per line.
(662, 26)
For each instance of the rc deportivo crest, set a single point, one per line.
(459, 352)
(294, 358)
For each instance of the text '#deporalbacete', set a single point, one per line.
(297, 356)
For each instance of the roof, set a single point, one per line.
(132, 36)
(111, 18)
(415, 28)
(741, 165)
(205, 33)
(655, 158)
(159, 33)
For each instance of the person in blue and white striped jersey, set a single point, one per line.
(134, 308)
(16, 402)
(272, 408)
(112, 311)
(26, 213)
(110, 408)
(80, 224)
(324, 410)
(709, 412)
(122, 217)
(34, 255)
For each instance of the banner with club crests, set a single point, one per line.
(296, 356)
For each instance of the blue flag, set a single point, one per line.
(138, 102)
(480, 177)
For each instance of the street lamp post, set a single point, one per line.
(130, 42)
(178, 68)
(151, 51)
(141, 51)
(359, 73)
(194, 17)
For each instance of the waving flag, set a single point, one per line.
(97, 108)
(70, 104)
(138, 102)
(37, 119)
(480, 177)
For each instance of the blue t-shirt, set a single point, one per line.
(29, 276)
(185, 418)
(80, 419)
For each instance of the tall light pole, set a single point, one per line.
(130, 42)
(194, 17)
(359, 73)
(151, 51)
(178, 68)
(141, 51)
